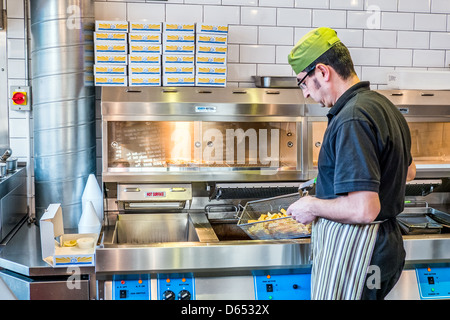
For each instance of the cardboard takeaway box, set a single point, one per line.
(56, 255)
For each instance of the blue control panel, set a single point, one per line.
(131, 287)
(176, 286)
(434, 282)
(283, 286)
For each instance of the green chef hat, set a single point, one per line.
(311, 46)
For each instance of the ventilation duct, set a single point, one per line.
(63, 103)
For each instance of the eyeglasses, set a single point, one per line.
(301, 83)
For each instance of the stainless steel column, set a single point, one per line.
(63, 103)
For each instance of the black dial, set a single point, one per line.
(168, 295)
(184, 295)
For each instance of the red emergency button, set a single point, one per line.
(19, 98)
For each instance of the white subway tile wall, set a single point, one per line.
(382, 35)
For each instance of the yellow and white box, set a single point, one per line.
(201, 59)
(214, 39)
(110, 47)
(135, 69)
(112, 26)
(110, 70)
(179, 37)
(178, 48)
(107, 58)
(211, 49)
(180, 80)
(118, 37)
(89, 79)
(140, 47)
(144, 58)
(212, 28)
(175, 59)
(63, 250)
(179, 27)
(141, 80)
(212, 81)
(101, 80)
(176, 70)
(210, 70)
(145, 37)
(144, 26)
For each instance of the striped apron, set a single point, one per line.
(341, 254)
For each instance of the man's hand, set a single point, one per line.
(301, 210)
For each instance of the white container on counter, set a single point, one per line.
(63, 252)
(89, 222)
(93, 193)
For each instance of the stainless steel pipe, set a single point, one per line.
(63, 103)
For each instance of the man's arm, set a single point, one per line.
(356, 207)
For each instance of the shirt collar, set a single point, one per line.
(347, 95)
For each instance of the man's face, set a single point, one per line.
(309, 83)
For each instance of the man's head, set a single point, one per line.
(310, 47)
(321, 53)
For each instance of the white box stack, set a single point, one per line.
(144, 60)
(178, 54)
(153, 54)
(110, 50)
(211, 55)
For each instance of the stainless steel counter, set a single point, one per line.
(244, 255)
(23, 255)
(29, 277)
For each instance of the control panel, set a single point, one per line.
(283, 286)
(176, 286)
(131, 287)
(434, 282)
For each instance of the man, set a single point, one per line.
(363, 166)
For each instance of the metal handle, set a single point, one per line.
(169, 90)
(179, 189)
(239, 216)
(131, 190)
(209, 206)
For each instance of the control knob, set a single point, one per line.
(168, 295)
(184, 295)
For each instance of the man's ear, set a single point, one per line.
(324, 70)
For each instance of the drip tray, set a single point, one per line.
(423, 220)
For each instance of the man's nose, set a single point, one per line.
(305, 93)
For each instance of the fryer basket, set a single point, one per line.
(273, 229)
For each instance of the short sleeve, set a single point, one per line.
(357, 164)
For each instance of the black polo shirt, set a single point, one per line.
(366, 147)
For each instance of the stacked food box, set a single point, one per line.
(155, 54)
(211, 55)
(110, 50)
(178, 54)
(144, 59)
